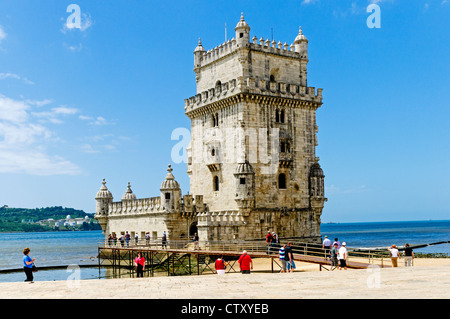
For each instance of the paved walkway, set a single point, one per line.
(414, 282)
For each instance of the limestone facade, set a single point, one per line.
(251, 160)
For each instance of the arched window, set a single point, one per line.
(216, 183)
(272, 78)
(277, 116)
(281, 181)
(282, 116)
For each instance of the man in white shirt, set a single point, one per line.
(326, 244)
(394, 255)
(343, 256)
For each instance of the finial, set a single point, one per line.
(199, 42)
(300, 30)
(242, 16)
(104, 182)
(170, 169)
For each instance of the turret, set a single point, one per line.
(170, 192)
(245, 185)
(242, 32)
(301, 44)
(103, 199)
(128, 196)
(198, 54)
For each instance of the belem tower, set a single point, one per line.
(251, 159)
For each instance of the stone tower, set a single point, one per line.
(253, 138)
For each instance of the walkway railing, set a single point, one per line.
(299, 249)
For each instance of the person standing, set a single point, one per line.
(326, 244)
(28, 264)
(342, 257)
(282, 256)
(136, 239)
(395, 255)
(334, 255)
(269, 239)
(139, 261)
(164, 241)
(290, 264)
(127, 239)
(147, 238)
(245, 263)
(409, 256)
(220, 265)
(336, 241)
(196, 239)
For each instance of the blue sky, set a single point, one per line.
(101, 101)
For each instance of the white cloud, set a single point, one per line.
(2, 34)
(4, 76)
(23, 143)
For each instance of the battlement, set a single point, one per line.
(254, 86)
(222, 218)
(261, 45)
(136, 206)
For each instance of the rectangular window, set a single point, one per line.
(242, 180)
(167, 195)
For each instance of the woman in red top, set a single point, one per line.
(245, 263)
(220, 265)
(140, 265)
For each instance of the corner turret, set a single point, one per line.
(170, 192)
(103, 199)
(242, 32)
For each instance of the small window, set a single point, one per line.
(282, 116)
(282, 181)
(216, 183)
(272, 78)
(283, 147)
(213, 152)
(241, 35)
(277, 116)
(167, 195)
(242, 180)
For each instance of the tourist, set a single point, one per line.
(290, 264)
(282, 255)
(164, 241)
(109, 240)
(269, 239)
(245, 263)
(220, 265)
(28, 264)
(195, 240)
(336, 241)
(342, 257)
(409, 256)
(147, 238)
(395, 255)
(114, 238)
(122, 240)
(334, 255)
(127, 239)
(326, 245)
(136, 239)
(139, 261)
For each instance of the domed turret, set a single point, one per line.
(128, 194)
(198, 53)
(170, 192)
(103, 199)
(242, 32)
(103, 192)
(316, 181)
(301, 44)
(245, 185)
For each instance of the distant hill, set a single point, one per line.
(31, 220)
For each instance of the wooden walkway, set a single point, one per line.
(275, 262)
